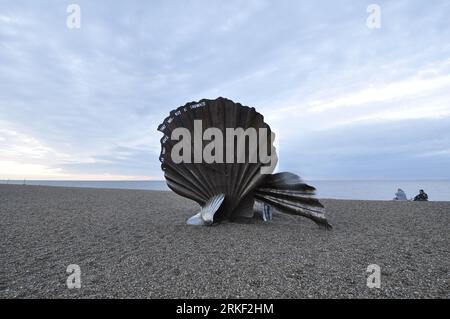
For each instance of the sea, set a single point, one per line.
(437, 190)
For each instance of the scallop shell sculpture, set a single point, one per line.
(221, 155)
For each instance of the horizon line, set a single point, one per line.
(163, 180)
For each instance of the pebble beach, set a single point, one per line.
(135, 244)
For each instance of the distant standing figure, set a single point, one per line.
(422, 197)
(400, 195)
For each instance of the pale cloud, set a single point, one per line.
(428, 80)
(25, 157)
(17, 145)
(17, 171)
(248, 9)
(396, 90)
(443, 152)
(407, 112)
(5, 19)
(424, 112)
(422, 95)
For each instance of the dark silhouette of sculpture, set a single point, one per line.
(221, 155)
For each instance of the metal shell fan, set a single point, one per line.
(221, 155)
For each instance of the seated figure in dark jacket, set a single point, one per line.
(422, 197)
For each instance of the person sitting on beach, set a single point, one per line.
(421, 197)
(400, 195)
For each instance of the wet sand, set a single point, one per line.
(135, 244)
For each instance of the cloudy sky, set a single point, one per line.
(346, 101)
